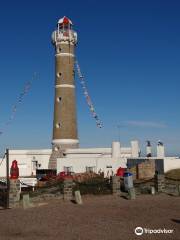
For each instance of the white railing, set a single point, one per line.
(28, 182)
(68, 35)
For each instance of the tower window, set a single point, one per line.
(59, 74)
(59, 99)
(58, 125)
(58, 49)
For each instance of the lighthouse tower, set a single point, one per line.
(65, 136)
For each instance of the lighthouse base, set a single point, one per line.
(58, 148)
(53, 159)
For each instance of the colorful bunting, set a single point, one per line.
(88, 99)
(19, 101)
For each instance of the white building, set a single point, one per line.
(76, 160)
(28, 161)
(106, 160)
(80, 160)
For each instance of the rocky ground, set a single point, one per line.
(100, 217)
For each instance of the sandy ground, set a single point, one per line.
(100, 217)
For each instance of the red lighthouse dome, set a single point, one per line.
(65, 20)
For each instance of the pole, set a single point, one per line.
(7, 177)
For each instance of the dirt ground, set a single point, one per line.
(100, 217)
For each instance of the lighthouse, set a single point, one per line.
(64, 40)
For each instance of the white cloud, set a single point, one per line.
(147, 124)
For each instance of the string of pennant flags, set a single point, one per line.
(15, 106)
(27, 87)
(86, 94)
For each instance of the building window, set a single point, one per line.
(108, 166)
(68, 170)
(90, 169)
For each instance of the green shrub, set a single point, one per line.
(96, 186)
(173, 174)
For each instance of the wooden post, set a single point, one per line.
(7, 177)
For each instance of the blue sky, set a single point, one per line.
(129, 52)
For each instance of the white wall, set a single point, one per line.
(25, 160)
(171, 163)
(102, 159)
(100, 163)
